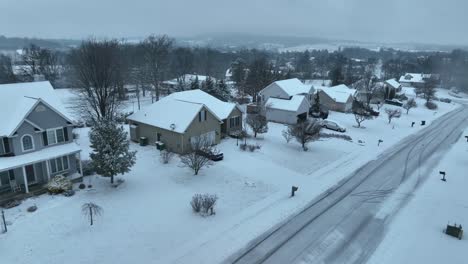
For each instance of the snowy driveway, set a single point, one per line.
(346, 224)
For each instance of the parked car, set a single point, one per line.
(394, 102)
(333, 125)
(445, 100)
(212, 156)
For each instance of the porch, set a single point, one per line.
(22, 174)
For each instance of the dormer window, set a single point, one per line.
(27, 142)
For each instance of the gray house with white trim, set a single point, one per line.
(36, 140)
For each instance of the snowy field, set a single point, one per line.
(415, 235)
(149, 217)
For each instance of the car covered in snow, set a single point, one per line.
(333, 125)
(214, 156)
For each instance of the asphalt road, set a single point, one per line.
(342, 225)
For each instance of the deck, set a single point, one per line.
(34, 190)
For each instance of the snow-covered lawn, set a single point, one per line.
(415, 234)
(148, 218)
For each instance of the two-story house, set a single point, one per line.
(286, 101)
(36, 140)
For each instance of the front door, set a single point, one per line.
(30, 175)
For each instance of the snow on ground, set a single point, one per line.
(415, 234)
(149, 216)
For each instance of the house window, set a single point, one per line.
(56, 135)
(27, 143)
(235, 121)
(6, 145)
(59, 164)
(202, 116)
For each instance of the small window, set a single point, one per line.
(27, 142)
(60, 135)
(51, 137)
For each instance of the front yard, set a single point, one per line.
(149, 219)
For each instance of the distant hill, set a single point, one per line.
(15, 43)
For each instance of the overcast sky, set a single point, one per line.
(428, 21)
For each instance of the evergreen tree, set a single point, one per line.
(111, 154)
(223, 91)
(195, 84)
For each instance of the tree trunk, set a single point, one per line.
(91, 214)
(112, 179)
(255, 134)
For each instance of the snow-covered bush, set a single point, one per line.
(431, 105)
(204, 203)
(88, 168)
(334, 135)
(166, 156)
(59, 184)
(82, 186)
(196, 203)
(209, 201)
(68, 193)
(32, 208)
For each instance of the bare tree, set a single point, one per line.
(287, 135)
(91, 210)
(305, 132)
(392, 113)
(361, 112)
(258, 123)
(197, 157)
(157, 59)
(411, 103)
(368, 86)
(40, 61)
(97, 67)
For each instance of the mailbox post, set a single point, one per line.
(293, 190)
(443, 175)
(380, 141)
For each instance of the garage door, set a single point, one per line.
(209, 137)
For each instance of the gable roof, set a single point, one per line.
(292, 87)
(221, 109)
(340, 93)
(293, 104)
(169, 114)
(17, 100)
(393, 83)
(413, 77)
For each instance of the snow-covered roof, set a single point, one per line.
(292, 104)
(393, 83)
(16, 101)
(339, 93)
(413, 77)
(294, 86)
(169, 114)
(7, 163)
(228, 73)
(221, 109)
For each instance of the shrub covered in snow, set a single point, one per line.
(88, 168)
(68, 193)
(431, 105)
(59, 184)
(32, 208)
(334, 135)
(82, 186)
(166, 156)
(204, 203)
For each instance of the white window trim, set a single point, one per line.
(32, 142)
(55, 134)
(61, 160)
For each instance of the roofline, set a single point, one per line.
(38, 160)
(39, 100)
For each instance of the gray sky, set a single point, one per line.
(429, 21)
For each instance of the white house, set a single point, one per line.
(285, 89)
(287, 111)
(337, 98)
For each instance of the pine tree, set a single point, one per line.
(223, 91)
(111, 154)
(195, 84)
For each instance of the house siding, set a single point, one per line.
(227, 124)
(45, 119)
(177, 142)
(332, 105)
(273, 90)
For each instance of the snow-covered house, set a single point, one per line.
(337, 98)
(229, 113)
(36, 140)
(285, 101)
(416, 80)
(181, 118)
(285, 89)
(287, 111)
